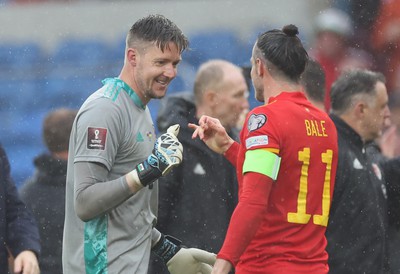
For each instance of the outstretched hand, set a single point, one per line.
(212, 133)
(388, 142)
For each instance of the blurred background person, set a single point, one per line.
(358, 224)
(394, 106)
(44, 192)
(198, 197)
(385, 40)
(19, 236)
(363, 14)
(313, 82)
(386, 149)
(332, 48)
(389, 142)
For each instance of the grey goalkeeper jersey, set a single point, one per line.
(113, 231)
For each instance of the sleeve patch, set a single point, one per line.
(256, 121)
(262, 161)
(256, 141)
(96, 138)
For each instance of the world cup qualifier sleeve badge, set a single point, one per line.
(96, 138)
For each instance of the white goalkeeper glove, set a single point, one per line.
(191, 261)
(167, 153)
(180, 260)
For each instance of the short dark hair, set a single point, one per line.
(284, 50)
(313, 81)
(350, 84)
(57, 127)
(158, 29)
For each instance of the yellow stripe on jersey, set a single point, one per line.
(273, 150)
(262, 161)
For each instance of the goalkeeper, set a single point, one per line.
(115, 160)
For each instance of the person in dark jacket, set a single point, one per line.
(198, 197)
(44, 192)
(391, 173)
(19, 236)
(358, 222)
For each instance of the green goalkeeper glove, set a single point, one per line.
(183, 260)
(167, 153)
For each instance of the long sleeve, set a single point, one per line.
(247, 216)
(93, 190)
(21, 228)
(232, 153)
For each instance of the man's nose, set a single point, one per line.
(170, 71)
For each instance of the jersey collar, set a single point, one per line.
(121, 84)
(291, 96)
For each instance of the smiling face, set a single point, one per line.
(154, 70)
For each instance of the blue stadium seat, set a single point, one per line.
(216, 44)
(187, 72)
(69, 91)
(82, 53)
(21, 58)
(21, 160)
(178, 84)
(22, 139)
(20, 94)
(153, 106)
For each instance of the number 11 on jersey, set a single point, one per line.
(301, 216)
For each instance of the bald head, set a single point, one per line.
(220, 90)
(211, 75)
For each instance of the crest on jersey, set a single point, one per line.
(96, 138)
(256, 121)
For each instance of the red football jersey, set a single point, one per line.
(291, 237)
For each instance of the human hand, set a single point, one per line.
(167, 153)
(212, 133)
(191, 261)
(388, 141)
(26, 263)
(221, 267)
(168, 150)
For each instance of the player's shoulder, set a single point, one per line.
(257, 121)
(261, 114)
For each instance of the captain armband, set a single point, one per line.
(262, 161)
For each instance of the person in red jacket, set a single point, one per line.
(332, 47)
(286, 164)
(385, 39)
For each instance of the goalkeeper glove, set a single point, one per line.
(167, 153)
(183, 260)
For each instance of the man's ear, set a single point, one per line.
(210, 98)
(260, 68)
(132, 56)
(359, 109)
